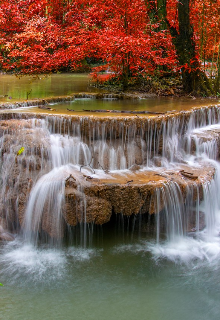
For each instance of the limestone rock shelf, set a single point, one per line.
(130, 192)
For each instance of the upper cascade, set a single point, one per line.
(79, 170)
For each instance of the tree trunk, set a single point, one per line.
(125, 71)
(193, 79)
(162, 13)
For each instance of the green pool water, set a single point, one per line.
(152, 105)
(13, 88)
(111, 280)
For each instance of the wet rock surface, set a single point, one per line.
(5, 235)
(18, 172)
(134, 192)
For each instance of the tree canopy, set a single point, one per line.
(125, 38)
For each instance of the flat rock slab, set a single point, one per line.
(94, 197)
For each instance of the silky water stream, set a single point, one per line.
(163, 265)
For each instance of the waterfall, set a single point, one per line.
(170, 194)
(34, 184)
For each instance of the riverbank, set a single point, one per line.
(14, 89)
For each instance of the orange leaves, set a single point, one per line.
(117, 32)
(205, 16)
(49, 35)
(172, 13)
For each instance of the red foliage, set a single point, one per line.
(205, 16)
(49, 35)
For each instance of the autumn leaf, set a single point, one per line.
(21, 150)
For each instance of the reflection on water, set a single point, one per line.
(152, 105)
(13, 88)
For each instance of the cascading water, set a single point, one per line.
(200, 142)
(98, 148)
(47, 195)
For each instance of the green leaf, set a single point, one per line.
(1, 285)
(20, 151)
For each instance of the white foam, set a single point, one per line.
(206, 128)
(181, 250)
(82, 254)
(20, 259)
(39, 264)
(185, 250)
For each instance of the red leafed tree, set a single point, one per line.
(185, 20)
(49, 40)
(206, 21)
(14, 17)
(128, 38)
(118, 32)
(121, 34)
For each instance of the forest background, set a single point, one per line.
(127, 44)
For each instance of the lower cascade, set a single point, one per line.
(158, 175)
